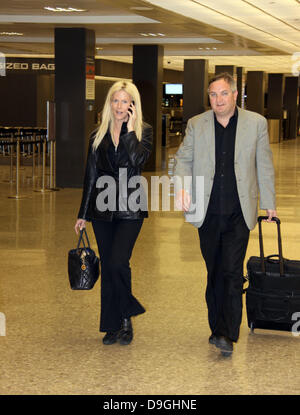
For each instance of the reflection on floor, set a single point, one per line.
(50, 343)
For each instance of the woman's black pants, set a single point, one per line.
(115, 242)
(223, 243)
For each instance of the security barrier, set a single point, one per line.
(25, 143)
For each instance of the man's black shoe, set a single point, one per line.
(126, 332)
(225, 345)
(111, 337)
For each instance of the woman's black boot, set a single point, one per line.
(111, 337)
(126, 332)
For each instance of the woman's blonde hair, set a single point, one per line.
(107, 117)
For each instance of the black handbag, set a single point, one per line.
(83, 265)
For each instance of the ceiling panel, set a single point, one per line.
(271, 64)
(255, 34)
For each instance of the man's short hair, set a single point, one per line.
(227, 78)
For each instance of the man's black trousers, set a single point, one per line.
(223, 243)
(115, 242)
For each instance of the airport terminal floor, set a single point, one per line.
(52, 344)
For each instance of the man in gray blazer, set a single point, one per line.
(229, 148)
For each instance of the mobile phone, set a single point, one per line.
(129, 109)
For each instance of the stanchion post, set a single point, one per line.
(18, 169)
(33, 160)
(39, 153)
(11, 160)
(54, 154)
(51, 115)
(33, 155)
(44, 166)
(17, 196)
(53, 166)
(43, 189)
(11, 173)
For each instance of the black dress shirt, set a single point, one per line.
(224, 199)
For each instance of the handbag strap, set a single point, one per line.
(81, 239)
(261, 247)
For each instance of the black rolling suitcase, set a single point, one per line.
(273, 293)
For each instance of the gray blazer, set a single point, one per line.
(253, 165)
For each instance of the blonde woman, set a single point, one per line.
(117, 152)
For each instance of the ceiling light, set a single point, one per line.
(152, 34)
(218, 34)
(11, 34)
(64, 9)
(145, 9)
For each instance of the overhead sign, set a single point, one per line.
(90, 79)
(29, 65)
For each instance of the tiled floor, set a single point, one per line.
(52, 344)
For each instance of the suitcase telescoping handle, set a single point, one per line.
(261, 247)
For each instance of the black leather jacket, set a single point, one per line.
(130, 156)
